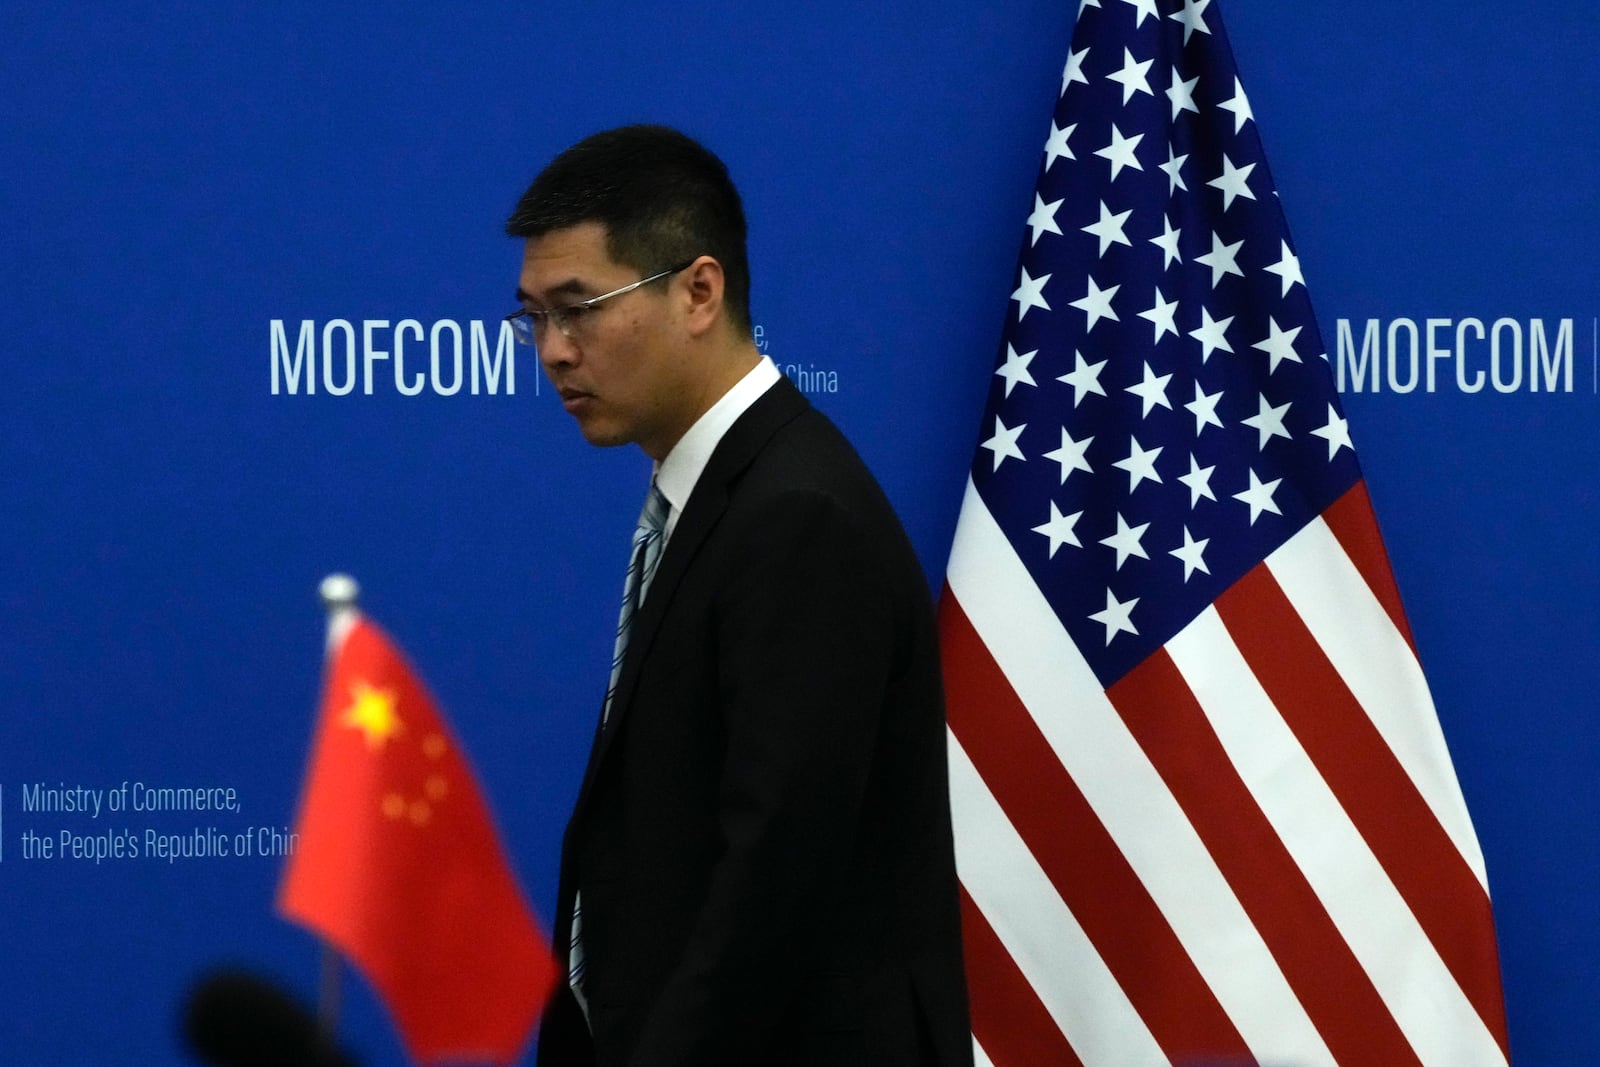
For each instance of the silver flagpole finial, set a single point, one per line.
(339, 591)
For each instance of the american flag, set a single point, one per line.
(1204, 810)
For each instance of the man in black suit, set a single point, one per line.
(760, 856)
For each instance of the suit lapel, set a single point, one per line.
(706, 505)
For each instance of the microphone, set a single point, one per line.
(237, 1019)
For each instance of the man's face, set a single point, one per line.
(620, 373)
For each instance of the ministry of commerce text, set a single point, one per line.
(342, 355)
(1507, 355)
(130, 796)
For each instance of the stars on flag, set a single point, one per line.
(1182, 94)
(1121, 152)
(1234, 182)
(1132, 76)
(1167, 241)
(1096, 304)
(1161, 327)
(1223, 259)
(1126, 541)
(1084, 378)
(418, 809)
(1043, 219)
(1173, 168)
(1004, 442)
(1268, 422)
(1162, 315)
(1109, 228)
(1015, 369)
(1057, 147)
(1288, 269)
(1060, 529)
(1140, 464)
(1071, 455)
(372, 712)
(1204, 409)
(1191, 554)
(1152, 390)
(1239, 104)
(1030, 294)
(1259, 497)
(1212, 334)
(1192, 17)
(1336, 433)
(1279, 344)
(1117, 616)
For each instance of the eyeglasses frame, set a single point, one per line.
(526, 323)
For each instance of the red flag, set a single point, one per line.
(1203, 805)
(398, 864)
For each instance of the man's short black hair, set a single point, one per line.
(662, 197)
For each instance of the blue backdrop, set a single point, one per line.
(177, 178)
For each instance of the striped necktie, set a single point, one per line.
(648, 537)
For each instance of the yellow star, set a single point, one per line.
(372, 712)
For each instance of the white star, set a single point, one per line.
(1144, 7)
(1259, 497)
(1126, 541)
(1199, 482)
(1222, 259)
(1168, 243)
(1097, 304)
(1204, 409)
(1060, 529)
(1015, 369)
(1172, 166)
(1192, 16)
(1073, 71)
(1085, 378)
(1192, 554)
(1117, 617)
(1162, 315)
(1288, 268)
(1004, 442)
(1140, 464)
(1056, 147)
(1235, 182)
(1043, 219)
(1182, 95)
(1030, 294)
(1121, 151)
(1108, 228)
(1336, 433)
(1153, 390)
(1132, 76)
(1279, 344)
(1212, 334)
(1239, 105)
(1070, 455)
(1268, 422)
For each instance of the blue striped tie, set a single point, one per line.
(648, 537)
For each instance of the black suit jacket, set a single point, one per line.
(762, 837)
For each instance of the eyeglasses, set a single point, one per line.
(529, 325)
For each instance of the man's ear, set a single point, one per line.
(703, 283)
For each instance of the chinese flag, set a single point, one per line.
(399, 867)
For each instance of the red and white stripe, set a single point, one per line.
(1252, 848)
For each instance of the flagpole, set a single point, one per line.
(339, 593)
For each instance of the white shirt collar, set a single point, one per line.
(681, 469)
